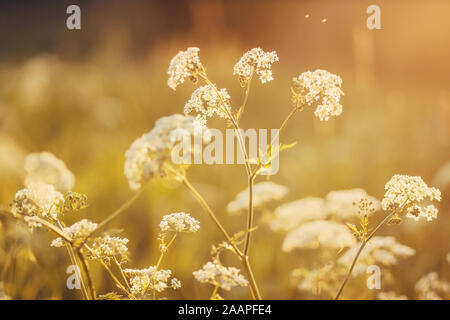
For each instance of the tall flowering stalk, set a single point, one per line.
(404, 196)
(309, 88)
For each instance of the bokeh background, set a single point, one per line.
(85, 95)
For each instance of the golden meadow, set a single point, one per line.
(85, 108)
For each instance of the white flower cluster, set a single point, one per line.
(258, 62)
(150, 279)
(319, 234)
(108, 247)
(385, 251)
(78, 231)
(186, 64)
(37, 199)
(207, 101)
(179, 222)
(44, 167)
(221, 276)
(263, 194)
(147, 155)
(341, 203)
(320, 88)
(430, 287)
(290, 215)
(404, 191)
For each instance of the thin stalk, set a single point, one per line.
(361, 247)
(122, 274)
(118, 283)
(73, 259)
(250, 214)
(244, 103)
(116, 213)
(87, 272)
(158, 264)
(216, 288)
(208, 210)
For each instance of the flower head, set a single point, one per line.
(148, 155)
(149, 279)
(186, 64)
(179, 222)
(385, 251)
(318, 88)
(258, 62)
(344, 204)
(218, 275)
(37, 199)
(430, 287)
(44, 167)
(78, 231)
(321, 233)
(406, 193)
(290, 215)
(107, 248)
(263, 194)
(207, 101)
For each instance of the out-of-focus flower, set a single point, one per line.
(430, 287)
(78, 231)
(179, 222)
(149, 279)
(384, 251)
(44, 167)
(290, 215)
(258, 62)
(263, 194)
(3, 295)
(218, 275)
(442, 176)
(318, 88)
(341, 203)
(186, 64)
(147, 156)
(319, 234)
(406, 193)
(390, 295)
(207, 101)
(37, 199)
(323, 280)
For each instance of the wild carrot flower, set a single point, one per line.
(44, 167)
(319, 234)
(406, 193)
(263, 194)
(37, 199)
(258, 62)
(384, 251)
(207, 101)
(186, 64)
(78, 231)
(179, 222)
(218, 275)
(318, 88)
(107, 248)
(149, 279)
(147, 156)
(290, 215)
